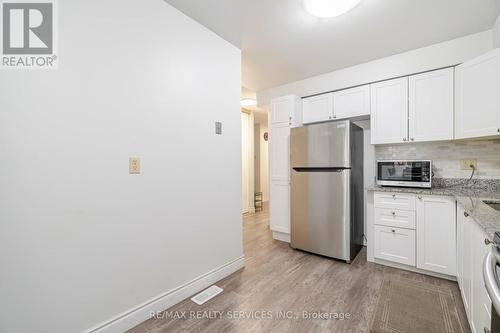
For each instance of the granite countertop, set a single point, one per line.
(469, 198)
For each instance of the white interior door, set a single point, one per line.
(245, 153)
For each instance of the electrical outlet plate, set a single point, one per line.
(466, 164)
(134, 165)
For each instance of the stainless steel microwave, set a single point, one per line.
(404, 173)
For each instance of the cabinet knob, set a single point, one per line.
(290, 117)
(487, 241)
(394, 196)
(329, 117)
(466, 214)
(393, 213)
(404, 139)
(498, 130)
(393, 230)
(335, 117)
(486, 330)
(412, 139)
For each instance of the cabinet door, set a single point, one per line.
(436, 235)
(431, 106)
(286, 110)
(477, 100)
(352, 102)
(279, 209)
(394, 244)
(389, 111)
(317, 108)
(279, 152)
(460, 246)
(481, 303)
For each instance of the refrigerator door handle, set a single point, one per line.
(322, 169)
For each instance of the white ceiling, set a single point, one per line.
(281, 43)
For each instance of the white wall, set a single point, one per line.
(496, 33)
(81, 240)
(432, 57)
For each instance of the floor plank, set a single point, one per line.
(277, 278)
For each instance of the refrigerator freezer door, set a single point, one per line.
(321, 145)
(320, 212)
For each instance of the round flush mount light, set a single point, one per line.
(248, 102)
(329, 8)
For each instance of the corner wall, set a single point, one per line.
(81, 240)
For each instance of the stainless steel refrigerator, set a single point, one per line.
(327, 189)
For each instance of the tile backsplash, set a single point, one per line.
(446, 156)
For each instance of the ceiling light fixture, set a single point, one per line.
(329, 8)
(248, 102)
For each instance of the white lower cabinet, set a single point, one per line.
(471, 250)
(395, 244)
(418, 231)
(436, 234)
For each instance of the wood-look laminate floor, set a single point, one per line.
(278, 280)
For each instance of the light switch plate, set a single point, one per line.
(466, 164)
(218, 128)
(134, 165)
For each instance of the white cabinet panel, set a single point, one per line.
(279, 199)
(395, 218)
(399, 201)
(353, 102)
(481, 303)
(436, 234)
(477, 97)
(394, 244)
(460, 245)
(317, 108)
(466, 260)
(389, 111)
(279, 152)
(286, 110)
(431, 109)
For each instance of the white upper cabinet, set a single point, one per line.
(477, 100)
(353, 102)
(436, 235)
(431, 107)
(317, 108)
(389, 111)
(286, 110)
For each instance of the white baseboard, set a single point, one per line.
(413, 269)
(281, 236)
(140, 313)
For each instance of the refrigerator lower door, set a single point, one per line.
(320, 212)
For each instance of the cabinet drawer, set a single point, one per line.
(394, 201)
(395, 218)
(395, 244)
